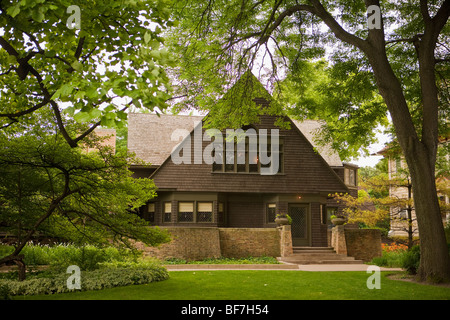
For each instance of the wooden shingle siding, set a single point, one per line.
(318, 230)
(305, 171)
(245, 214)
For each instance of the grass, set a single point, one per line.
(263, 285)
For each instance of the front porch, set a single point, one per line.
(213, 242)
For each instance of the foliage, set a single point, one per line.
(286, 44)
(4, 292)
(340, 95)
(392, 256)
(60, 256)
(70, 193)
(362, 209)
(411, 260)
(90, 280)
(114, 58)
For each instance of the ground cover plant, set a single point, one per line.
(101, 267)
(223, 260)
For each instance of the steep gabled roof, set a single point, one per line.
(149, 136)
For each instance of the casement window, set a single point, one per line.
(185, 211)
(204, 211)
(167, 217)
(151, 212)
(190, 211)
(327, 213)
(350, 178)
(271, 212)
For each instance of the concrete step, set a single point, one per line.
(317, 255)
(313, 250)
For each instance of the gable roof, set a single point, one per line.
(149, 136)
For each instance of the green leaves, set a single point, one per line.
(93, 191)
(116, 56)
(13, 10)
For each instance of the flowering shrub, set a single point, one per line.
(395, 247)
(392, 255)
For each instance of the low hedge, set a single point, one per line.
(103, 278)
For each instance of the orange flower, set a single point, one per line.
(394, 247)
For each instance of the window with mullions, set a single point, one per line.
(150, 212)
(244, 157)
(204, 211)
(271, 212)
(185, 212)
(167, 212)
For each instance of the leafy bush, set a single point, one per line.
(411, 260)
(60, 256)
(5, 292)
(90, 280)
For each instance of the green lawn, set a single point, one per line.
(263, 285)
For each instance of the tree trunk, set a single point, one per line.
(434, 256)
(420, 157)
(18, 260)
(410, 219)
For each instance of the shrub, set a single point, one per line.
(392, 256)
(5, 292)
(60, 256)
(411, 260)
(90, 280)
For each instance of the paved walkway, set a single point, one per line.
(293, 267)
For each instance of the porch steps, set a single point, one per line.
(317, 255)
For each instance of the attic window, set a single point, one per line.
(246, 160)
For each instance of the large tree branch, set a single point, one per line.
(424, 10)
(336, 28)
(22, 72)
(427, 72)
(24, 112)
(440, 19)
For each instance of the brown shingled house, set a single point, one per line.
(238, 195)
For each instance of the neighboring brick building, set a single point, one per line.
(238, 195)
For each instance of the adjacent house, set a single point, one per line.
(399, 215)
(203, 183)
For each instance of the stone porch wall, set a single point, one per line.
(362, 244)
(202, 243)
(249, 242)
(188, 244)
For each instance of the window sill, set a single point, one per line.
(249, 173)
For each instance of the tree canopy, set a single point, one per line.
(92, 72)
(387, 59)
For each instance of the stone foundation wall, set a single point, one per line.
(363, 244)
(188, 244)
(246, 242)
(202, 243)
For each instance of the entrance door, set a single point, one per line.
(300, 224)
